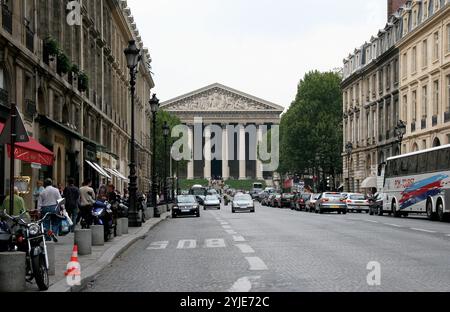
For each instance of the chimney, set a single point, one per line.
(394, 5)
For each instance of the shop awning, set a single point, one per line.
(31, 152)
(117, 174)
(99, 170)
(370, 182)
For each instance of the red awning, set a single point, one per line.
(31, 152)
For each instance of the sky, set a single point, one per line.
(260, 47)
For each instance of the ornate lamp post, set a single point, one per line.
(166, 131)
(154, 106)
(400, 131)
(133, 57)
(349, 151)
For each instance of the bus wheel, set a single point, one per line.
(394, 210)
(440, 210)
(430, 214)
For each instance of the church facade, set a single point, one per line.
(237, 115)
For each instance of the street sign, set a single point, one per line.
(21, 132)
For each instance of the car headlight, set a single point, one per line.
(195, 207)
(34, 229)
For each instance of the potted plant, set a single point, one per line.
(51, 46)
(64, 65)
(83, 81)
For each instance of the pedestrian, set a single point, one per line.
(102, 193)
(37, 191)
(72, 195)
(19, 204)
(125, 194)
(60, 189)
(48, 203)
(87, 201)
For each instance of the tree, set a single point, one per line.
(311, 130)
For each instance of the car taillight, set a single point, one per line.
(325, 200)
(20, 239)
(349, 201)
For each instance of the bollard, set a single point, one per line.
(98, 235)
(51, 258)
(124, 226)
(12, 272)
(119, 227)
(83, 238)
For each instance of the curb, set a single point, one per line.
(106, 259)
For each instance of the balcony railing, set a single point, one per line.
(7, 18)
(29, 39)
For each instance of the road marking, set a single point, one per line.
(422, 230)
(244, 284)
(239, 239)
(256, 264)
(223, 223)
(231, 232)
(187, 244)
(371, 221)
(158, 245)
(226, 227)
(448, 235)
(394, 225)
(245, 248)
(215, 243)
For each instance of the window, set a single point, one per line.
(414, 106)
(388, 77)
(412, 165)
(405, 65)
(414, 60)
(448, 94)
(443, 162)
(436, 46)
(424, 102)
(396, 71)
(436, 98)
(380, 80)
(432, 161)
(448, 38)
(425, 53)
(422, 163)
(405, 107)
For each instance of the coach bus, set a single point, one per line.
(419, 183)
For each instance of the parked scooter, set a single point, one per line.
(102, 214)
(29, 237)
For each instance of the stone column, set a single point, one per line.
(242, 162)
(225, 166)
(190, 173)
(207, 169)
(259, 164)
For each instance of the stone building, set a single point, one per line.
(425, 73)
(220, 105)
(75, 104)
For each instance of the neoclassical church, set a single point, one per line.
(222, 106)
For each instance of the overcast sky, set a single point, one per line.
(261, 47)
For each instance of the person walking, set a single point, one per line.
(36, 192)
(87, 201)
(72, 195)
(48, 203)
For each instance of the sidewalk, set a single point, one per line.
(100, 258)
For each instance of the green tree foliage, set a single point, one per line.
(311, 130)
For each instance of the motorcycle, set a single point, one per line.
(103, 215)
(5, 237)
(29, 237)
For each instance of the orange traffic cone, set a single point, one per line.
(74, 257)
(73, 266)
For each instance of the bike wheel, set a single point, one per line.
(40, 272)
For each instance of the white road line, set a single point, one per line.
(244, 284)
(187, 244)
(448, 235)
(256, 264)
(226, 227)
(371, 221)
(158, 245)
(422, 230)
(394, 225)
(231, 232)
(239, 239)
(215, 243)
(245, 248)
(223, 223)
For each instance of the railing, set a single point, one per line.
(7, 18)
(29, 39)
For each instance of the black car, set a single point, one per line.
(186, 205)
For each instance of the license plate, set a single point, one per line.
(186, 210)
(335, 207)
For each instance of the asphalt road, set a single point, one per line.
(284, 251)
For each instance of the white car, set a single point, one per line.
(358, 203)
(211, 202)
(243, 202)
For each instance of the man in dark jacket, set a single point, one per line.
(72, 196)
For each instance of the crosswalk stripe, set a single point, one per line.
(256, 264)
(239, 239)
(245, 248)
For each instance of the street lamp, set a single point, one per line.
(166, 131)
(154, 106)
(133, 57)
(400, 131)
(349, 150)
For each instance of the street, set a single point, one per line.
(277, 250)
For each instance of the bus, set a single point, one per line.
(199, 191)
(419, 183)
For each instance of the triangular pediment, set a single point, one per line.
(218, 97)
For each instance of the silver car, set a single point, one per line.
(211, 202)
(243, 202)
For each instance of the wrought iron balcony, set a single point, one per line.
(7, 18)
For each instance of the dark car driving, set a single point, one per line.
(186, 205)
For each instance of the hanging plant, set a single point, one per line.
(51, 46)
(83, 81)
(63, 63)
(75, 69)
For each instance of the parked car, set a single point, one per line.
(331, 202)
(357, 203)
(256, 189)
(186, 205)
(300, 201)
(211, 202)
(243, 202)
(311, 204)
(286, 200)
(275, 201)
(376, 204)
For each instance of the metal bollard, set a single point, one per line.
(12, 272)
(98, 235)
(124, 226)
(119, 227)
(51, 258)
(83, 238)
